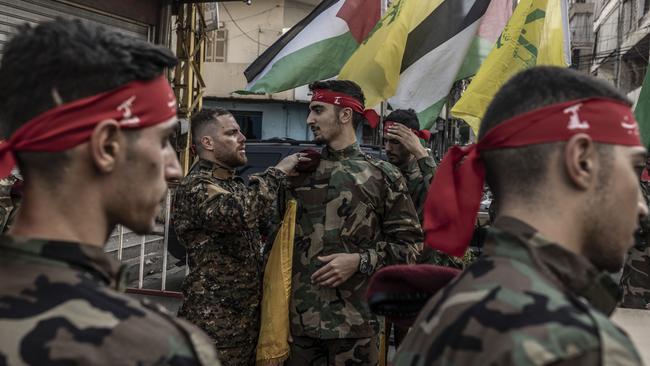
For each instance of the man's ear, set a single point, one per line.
(207, 143)
(105, 144)
(580, 158)
(345, 115)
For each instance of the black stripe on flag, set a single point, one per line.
(267, 56)
(448, 19)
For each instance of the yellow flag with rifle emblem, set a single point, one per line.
(273, 344)
(536, 34)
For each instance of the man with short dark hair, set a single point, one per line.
(561, 152)
(354, 216)
(402, 136)
(91, 139)
(220, 221)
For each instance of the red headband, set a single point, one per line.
(344, 100)
(454, 197)
(423, 134)
(135, 105)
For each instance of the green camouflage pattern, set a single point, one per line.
(59, 305)
(220, 221)
(306, 351)
(526, 301)
(352, 203)
(418, 174)
(635, 280)
(8, 204)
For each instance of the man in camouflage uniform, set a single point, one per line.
(220, 221)
(91, 139)
(354, 216)
(567, 213)
(635, 280)
(405, 151)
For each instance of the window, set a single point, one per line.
(250, 123)
(216, 46)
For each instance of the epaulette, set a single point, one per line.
(389, 170)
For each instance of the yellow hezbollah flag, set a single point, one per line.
(536, 34)
(272, 345)
(376, 64)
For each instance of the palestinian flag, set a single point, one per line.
(314, 49)
(420, 48)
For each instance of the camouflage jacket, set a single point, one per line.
(59, 305)
(351, 203)
(525, 302)
(418, 175)
(219, 220)
(635, 280)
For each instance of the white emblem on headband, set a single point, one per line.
(574, 118)
(632, 128)
(337, 100)
(127, 113)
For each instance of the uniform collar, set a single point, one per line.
(409, 166)
(513, 238)
(218, 170)
(349, 152)
(91, 259)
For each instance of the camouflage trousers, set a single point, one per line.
(242, 355)
(636, 277)
(306, 351)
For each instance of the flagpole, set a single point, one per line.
(382, 105)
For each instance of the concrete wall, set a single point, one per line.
(262, 24)
(279, 119)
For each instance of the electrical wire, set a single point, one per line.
(241, 30)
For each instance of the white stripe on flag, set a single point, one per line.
(431, 77)
(324, 26)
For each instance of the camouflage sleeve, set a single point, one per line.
(428, 168)
(225, 211)
(401, 229)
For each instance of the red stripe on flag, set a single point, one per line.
(361, 16)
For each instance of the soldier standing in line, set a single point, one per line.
(354, 216)
(404, 150)
(88, 113)
(402, 143)
(220, 221)
(561, 151)
(635, 280)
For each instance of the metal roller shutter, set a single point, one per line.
(17, 12)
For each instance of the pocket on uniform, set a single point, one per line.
(360, 228)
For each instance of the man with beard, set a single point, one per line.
(635, 280)
(404, 150)
(220, 221)
(354, 216)
(91, 138)
(561, 152)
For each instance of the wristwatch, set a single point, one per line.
(364, 263)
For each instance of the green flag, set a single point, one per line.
(642, 111)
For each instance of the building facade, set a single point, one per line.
(244, 32)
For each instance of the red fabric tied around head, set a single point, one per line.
(344, 100)
(423, 134)
(454, 197)
(135, 105)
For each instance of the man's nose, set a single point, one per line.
(173, 169)
(643, 206)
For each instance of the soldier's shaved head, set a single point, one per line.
(521, 171)
(204, 122)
